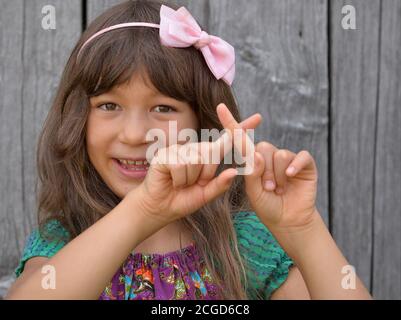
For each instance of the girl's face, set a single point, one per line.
(117, 126)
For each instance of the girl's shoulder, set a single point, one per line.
(44, 242)
(267, 263)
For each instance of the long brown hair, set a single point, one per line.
(72, 191)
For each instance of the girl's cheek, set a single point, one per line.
(100, 126)
(97, 137)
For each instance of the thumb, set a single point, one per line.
(253, 181)
(219, 184)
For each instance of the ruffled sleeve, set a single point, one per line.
(37, 245)
(267, 263)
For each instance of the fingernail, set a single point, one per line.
(202, 182)
(290, 170)
(234, 174)
(269, 185)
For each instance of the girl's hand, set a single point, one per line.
(282, 188)
(173, 190)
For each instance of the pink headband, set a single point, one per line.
(179, 29)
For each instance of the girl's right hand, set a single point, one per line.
(174, 190)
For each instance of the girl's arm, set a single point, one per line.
(320, 262)
(85, 266)
(281, 188)
(293, 288)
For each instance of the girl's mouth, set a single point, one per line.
(131, 170)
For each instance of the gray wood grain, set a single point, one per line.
(387, 198)
(197, 8)
(31, 63)
(281, 55)
(12, 216)
(354, 79)
(96, 7)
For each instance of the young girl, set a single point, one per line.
(114, 226)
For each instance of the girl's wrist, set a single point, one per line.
(141, 211)
(314, 221)
(295, 240)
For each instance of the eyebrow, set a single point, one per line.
(113, 92)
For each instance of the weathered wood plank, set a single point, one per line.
(97, 7)
(197, 8)
(354, 69)
(281, 52)
(387, 196)
(31, 63)
(12, 215)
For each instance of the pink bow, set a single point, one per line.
(179, 29)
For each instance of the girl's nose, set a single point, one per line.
(133, 129)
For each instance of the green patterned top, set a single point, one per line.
(266, 262)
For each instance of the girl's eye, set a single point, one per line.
(108, 106)
(164, 109)
(113, 106)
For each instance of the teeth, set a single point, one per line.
(137, 163)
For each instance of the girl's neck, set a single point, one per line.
(172, 237)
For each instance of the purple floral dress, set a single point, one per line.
(177, 275)
(180, 274)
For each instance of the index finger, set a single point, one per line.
(242, 141)
(224, 143)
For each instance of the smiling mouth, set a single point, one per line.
(141, 165)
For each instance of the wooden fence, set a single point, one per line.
(333, 91)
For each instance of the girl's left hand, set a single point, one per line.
(282, 197)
